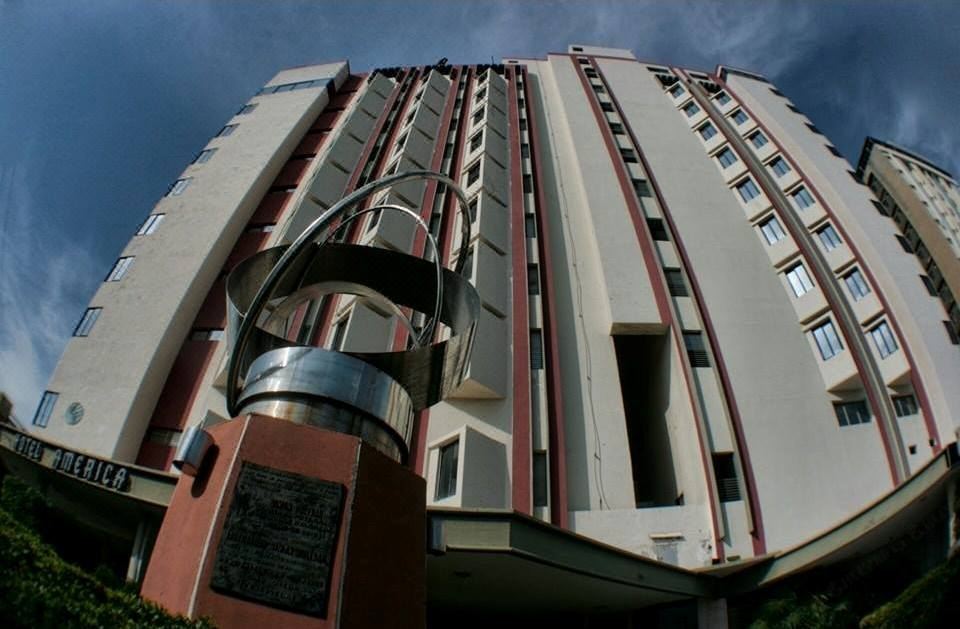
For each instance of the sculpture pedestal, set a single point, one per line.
(287, 525)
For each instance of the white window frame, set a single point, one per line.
(772, 230)
(178, 186)
(87, 321)
(829, 237)
(827, 340)
(691, 109)
(799, 280)
(802, 194)
(723, 154)
(120, 268)
(707, 127)
(743, 185)
(883, 338)
(42, 417)
(150, 225)
(856, 284)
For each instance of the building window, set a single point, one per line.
(480, 95)
(482, 77)
(213, 334)
(852, 413)
(802, 198)
(725, 473)
(204, 156)
(856, 284)
(657, 229)
(473, 174)
(525, 150)
(119, 269)
(527, 184)
(523, 124)
(813, 128)
(772, 230)
(676, 90)
(641, 187)
(739, 117)
(834, 151)
(86, 322)
(540, 482)
(707, 131)
(536, 349)
(447, 464)
(478, 116)
(928, 284)
(476, 140)
(597, 88)
(616, 128)
(883, 338)
(904, 243)
(779, 167)
(726, 157)
(952, 333)
(675, 283)
(590, 72)
(246, 109)
(533, 279)
(827, 340)
(42, 416)
(607, 107)
(829, 237)
(628, 155)
(339, 333)
(472, 208)
(178, 186)
(748, 190)
(691, 109)
(757, 139)
(530, 226)
(905, 405)
(799, 280)
(696, 349)
(227, 130)
(150, 225)
(722, 98)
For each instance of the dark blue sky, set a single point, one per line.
(103, 103)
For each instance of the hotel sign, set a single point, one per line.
(83, 466)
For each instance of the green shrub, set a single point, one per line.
(810, 612)
(931, 601)
(39, 589)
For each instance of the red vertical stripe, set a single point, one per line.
(522, 495)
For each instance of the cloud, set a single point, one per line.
(43, 289)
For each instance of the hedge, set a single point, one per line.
(39, 589)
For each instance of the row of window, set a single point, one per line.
(290, 87)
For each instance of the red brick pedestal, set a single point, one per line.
(377, 546)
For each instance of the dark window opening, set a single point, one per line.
(643, 365)
(696, 349)
(447, 470)
(530, 226)
(608, 107)
(527, 184)
(852, 413)
(657, 229)
(905, 405)
(540, 479)
(533, 279)
(641, 187)
(536, 349)
(725, 473)
(675, 283)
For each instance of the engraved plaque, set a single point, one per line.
(279, 540)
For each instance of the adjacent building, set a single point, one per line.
(704, 347)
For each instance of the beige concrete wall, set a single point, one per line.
(148, 313)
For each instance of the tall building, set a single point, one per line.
(704, 361)
(924, 202)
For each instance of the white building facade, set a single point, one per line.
(700, 342)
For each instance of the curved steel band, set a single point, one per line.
(331, 390)
(293, 257)
(427, 374)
